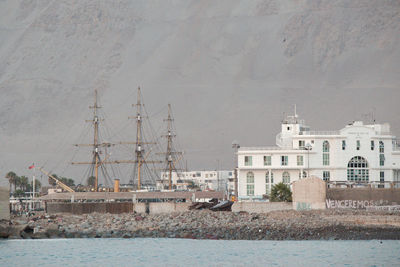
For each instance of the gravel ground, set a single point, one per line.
(205, 224)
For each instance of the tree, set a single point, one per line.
(281, 192)
(38, 185)
(192, 185)
(23, 183)
(19, 193)
(11, 176)
(52, 182)
(91, 180)
(64, 180)
(67, 181)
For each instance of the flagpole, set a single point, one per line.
(33, 185)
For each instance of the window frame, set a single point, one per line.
(381, 159)
(326, 176)
(250, 184)
(286, 178)
(284, 160)
(267, 160)
(325, 153)
(301, 161)
(302, 144)
(267, 183)
(248, 160)
(381, 147)
(358, 169)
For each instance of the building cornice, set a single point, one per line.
(267, 152)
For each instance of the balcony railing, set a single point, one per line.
(261, 148)
(319, 133)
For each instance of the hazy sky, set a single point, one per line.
(230, 70)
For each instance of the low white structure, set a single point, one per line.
(204, 180)
(356, 154)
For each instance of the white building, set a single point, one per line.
(356, 154)
(204, 180)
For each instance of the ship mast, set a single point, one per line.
(95, 141)
(139, 151)
(141, 157)
(170, 154)
(96, 145)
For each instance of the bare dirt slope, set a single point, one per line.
(220, 64)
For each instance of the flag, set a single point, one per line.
(32, 166)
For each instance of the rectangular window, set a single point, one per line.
(250, 189)
(358, 144)
(267, 160)
(272, 177)
(300, 160)
(284, 160)
(325, 159)
(326, 176)
(381, 147)
(248, 160)
(381, 160)
(372, 145)
(343, 144)
(302, 144)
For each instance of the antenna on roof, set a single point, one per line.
(373, 114)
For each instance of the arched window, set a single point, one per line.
(381, 147)
(325, 146)
(357, 170)
(250, 184)
(286, 178)
(325, 153)
(302, 175)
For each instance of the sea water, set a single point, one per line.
(187, 252)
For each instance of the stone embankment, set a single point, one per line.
(276, 225)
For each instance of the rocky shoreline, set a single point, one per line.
(205, 224)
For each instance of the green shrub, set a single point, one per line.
(280, 192)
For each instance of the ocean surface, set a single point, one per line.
(187, 252)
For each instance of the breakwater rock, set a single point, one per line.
(204, 224)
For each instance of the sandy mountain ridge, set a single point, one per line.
(229, 68)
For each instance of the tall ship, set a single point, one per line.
(146, 155)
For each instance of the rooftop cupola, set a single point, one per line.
(291, 126)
